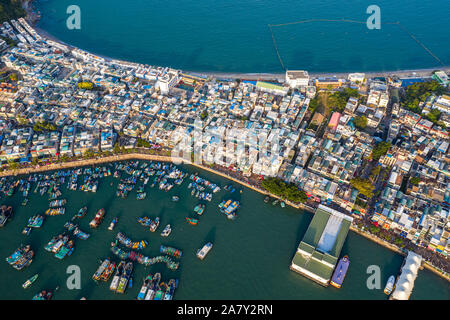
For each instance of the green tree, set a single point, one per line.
(280, 188)
(364, 186)
(360, 122)
(380, 149)
(204, 114)
(86, 85)
(414, 180)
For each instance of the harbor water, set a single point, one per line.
(249, 260)
(233, 36)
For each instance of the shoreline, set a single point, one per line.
(177, 161)
(420, 73)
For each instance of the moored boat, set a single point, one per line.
(108, 271)
(340, 272)
(192, 221)
(5, 214)
(115, 281)
(201, 253)
(167, 230)
(113, 224)
(81, 213)
(389, 285)
(30, 281)
(154, 285)
(45, 295)
(101, 269)
(97, 219)
(154, 224)
(126, 275)
(170, 289)
(144, 288)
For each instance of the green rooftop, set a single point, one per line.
(319, 251)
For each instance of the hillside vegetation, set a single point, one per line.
(11, 9)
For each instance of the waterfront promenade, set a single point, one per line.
(161, 158)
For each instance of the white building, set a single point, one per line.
(297, 78)
(167, 81)
(356, 77)
(405, 282)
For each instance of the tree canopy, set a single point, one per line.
(339, 99)
(380, 149)
(287, 191)
(364, 186)
(360, 122)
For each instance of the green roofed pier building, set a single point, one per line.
(318, 252)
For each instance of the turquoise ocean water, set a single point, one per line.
(250, 258)
(233, 36)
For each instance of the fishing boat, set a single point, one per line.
(26, 231)
(35, 221)
(144, 288)
(170, 289)
(45, 295)
(159, 294)
(81, 213)
(97, 219)
(199, 209)
(340, 272)
(141, 195)
(153, 286)
(145, 221)
(101, 269)
(175, 198)
(137, 245)
(389, 285)
(117, 275)
(170, 251)
(30, 281)
(80, 234)
(154, 224)
(24, 261)
(17, 254)
(126, 275)
(192, 221)
(55, 211)
(5, 214)
(266, 199)
(275, 202)
(229, 207)
(66, 250)
(113, 224)
(282, 204)
(201, 253)
(108, 271)
(167, 230)
(25, 201)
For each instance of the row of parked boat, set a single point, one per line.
(153, 289)
(144, 260)
(61, 246)
(21, 258)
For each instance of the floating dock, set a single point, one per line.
(318, 252)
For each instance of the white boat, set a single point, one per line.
(114, 283)
(167, 230)
(389, 285)
(201, 253)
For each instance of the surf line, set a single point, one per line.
(348, 21)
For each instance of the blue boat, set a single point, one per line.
(340, 272)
